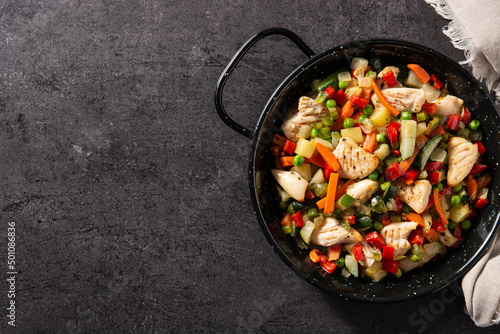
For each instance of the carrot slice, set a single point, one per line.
(420, 142)
(286, 161)
(334, 252)
(431, 234)
(383, 100)
(317, 160)
(330, 193)
(421, 74)
(343, 189)
(414, 217)
(287, 220)
(472, 187)
(321, 203)
(438, 207)
(484, 180)
(370, 141)
(346, 112)
(328, 156)
(309, 194)
(315, 255)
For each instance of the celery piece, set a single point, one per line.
(344, 202)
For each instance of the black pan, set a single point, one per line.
(432, 277)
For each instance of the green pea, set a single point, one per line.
(340, 262)
(455, 200)
(474, 124)
(466, 224)
(362, 118)
(331, 104)
(298, 160)
(314, 133)
(368, 110)
(451, 225)
(373, 176)
(343, 84)
(439, 186)
(381, 138)
(325, 133)
(348, 123)
(457, 188)
(406, 115)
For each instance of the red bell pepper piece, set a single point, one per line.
(434, 165)
(357, 251)
(438, 226)
(412, 174)
(433, 177)
(390, 266)
(480, 203)
(393, 135)
(400, 205)
(386, 219)
(359, 101)
(388, 253)
(375, 239)
(436, 83)
(390, 79)
(437, 132)
(351, 220)
(328, 266)
(297, 218)
(429, 108)
(327, 171)
(478, 168)
(466, 116)
(395, 152)
(416, 237)
(339, 97)
(289, 147)
(480, 147)
(446, 191)
(330, 91)
(393, 171)
(453, 122)
(395, 125)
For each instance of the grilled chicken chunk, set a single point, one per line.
(462, 155)
(309, 112)
(353, 160)
(396, 235)
(449, 105)
(362, 190)
(330, 232)
(416, 195)
(403, 99)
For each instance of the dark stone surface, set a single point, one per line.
(130, 195)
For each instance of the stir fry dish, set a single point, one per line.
(378, 171)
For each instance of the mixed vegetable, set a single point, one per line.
(378, 170)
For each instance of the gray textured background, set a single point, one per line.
(130, 194)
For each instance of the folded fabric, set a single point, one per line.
(474, 28)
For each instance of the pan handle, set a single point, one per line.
(236, 59)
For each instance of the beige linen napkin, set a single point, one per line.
(475, 28)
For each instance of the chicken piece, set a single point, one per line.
(309, 112)
(449, 105)
(362, 190)
(353, 160)
(403, 99)
(396, 235)
(462, 155)
(330, 232)
(416, 195)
